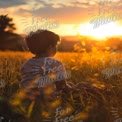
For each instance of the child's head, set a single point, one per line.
(42, 42)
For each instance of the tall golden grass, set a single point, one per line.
(84, 67)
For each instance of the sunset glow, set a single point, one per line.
(106, 30)
(73, 17)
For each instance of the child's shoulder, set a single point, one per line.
(45, 61)
(27, 62)
(25, 65)
(51, 61)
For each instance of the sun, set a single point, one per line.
(102, 32)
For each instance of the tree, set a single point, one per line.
(6, 24)
(8, 39)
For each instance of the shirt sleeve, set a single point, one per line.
(26, 75)
(60, 72)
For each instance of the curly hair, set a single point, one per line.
(38, 42)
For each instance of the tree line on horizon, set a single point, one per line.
(15, 42)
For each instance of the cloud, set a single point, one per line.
(78, 4)
(57, 6)
(65, 10)
(9, 3)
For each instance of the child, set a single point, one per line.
(42, 70)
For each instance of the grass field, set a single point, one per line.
(84, 67)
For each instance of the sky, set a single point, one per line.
(66, 17)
